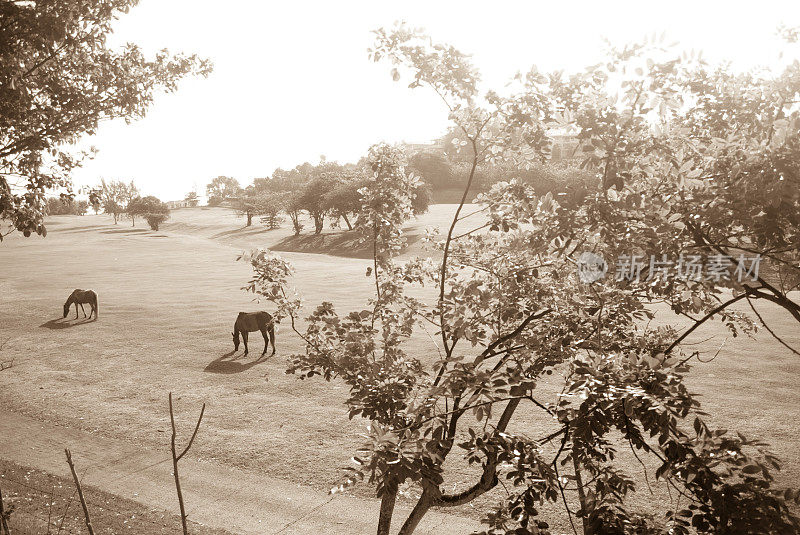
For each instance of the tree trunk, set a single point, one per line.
(295, 222)
(249, 219)
(420, 509)
(387, 508)
(349, 226)
(587, 526)
(3, 523)
(319, 220)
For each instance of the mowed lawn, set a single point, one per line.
(168, 300)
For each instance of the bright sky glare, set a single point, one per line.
(292, 80)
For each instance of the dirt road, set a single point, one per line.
(216, 495)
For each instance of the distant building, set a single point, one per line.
(183, 203)
(414, 148)
(565, 143)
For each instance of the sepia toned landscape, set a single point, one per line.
(569, 304)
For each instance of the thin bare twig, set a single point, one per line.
(89, 527)
(176, 458)
(775, 336)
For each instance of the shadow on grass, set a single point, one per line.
(64, 323)
(125, 231)
(75, 230)
(244, 231)
(347, 243)
(231, 365)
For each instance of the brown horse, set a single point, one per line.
(248, 322)
(79, 297)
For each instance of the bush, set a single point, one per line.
(66, 205)
(151, 209)
(433, 168)
(423, 195)
(155, 219)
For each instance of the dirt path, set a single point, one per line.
(215, 495)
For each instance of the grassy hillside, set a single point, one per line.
(168, 300)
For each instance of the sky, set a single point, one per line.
(292, 81)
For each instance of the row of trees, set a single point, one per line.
(445, 173)
(66, 205)
(327, 191)
(330, 191)
(117, 198)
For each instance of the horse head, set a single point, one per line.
(235, 341)
(66, 309)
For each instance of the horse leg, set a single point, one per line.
(76, 310)
(244, 339)
(272, 335)
(83, 310)
(266, 340)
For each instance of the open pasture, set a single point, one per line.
(167, 303)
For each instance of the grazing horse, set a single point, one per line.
(248, 322)
(79, 297)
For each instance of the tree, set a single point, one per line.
(112, 195)
(421, 198)
(129, 196)
(115, 196)
(66, 205)
(150, 208)
(269, 205)
(245, 204)
(343, 198)
(222, 188)
(693, 164)
(311, 198)
(434, 168)
(96, 199)
(292, 207)
(192, 198)
(58, 81)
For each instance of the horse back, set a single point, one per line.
(83, 296)
(252, 321)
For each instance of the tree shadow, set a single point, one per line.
(125, 231)
(75, 230)
(227, 365)
(243, 231)
(346, 243)
(66, 323)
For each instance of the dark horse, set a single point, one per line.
(248, 322)
(79, 297)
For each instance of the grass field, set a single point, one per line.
(168, 300)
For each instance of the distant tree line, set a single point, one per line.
(329, 191)
(66, 205)
(447, 169)
(118, 198)
(325, 192)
